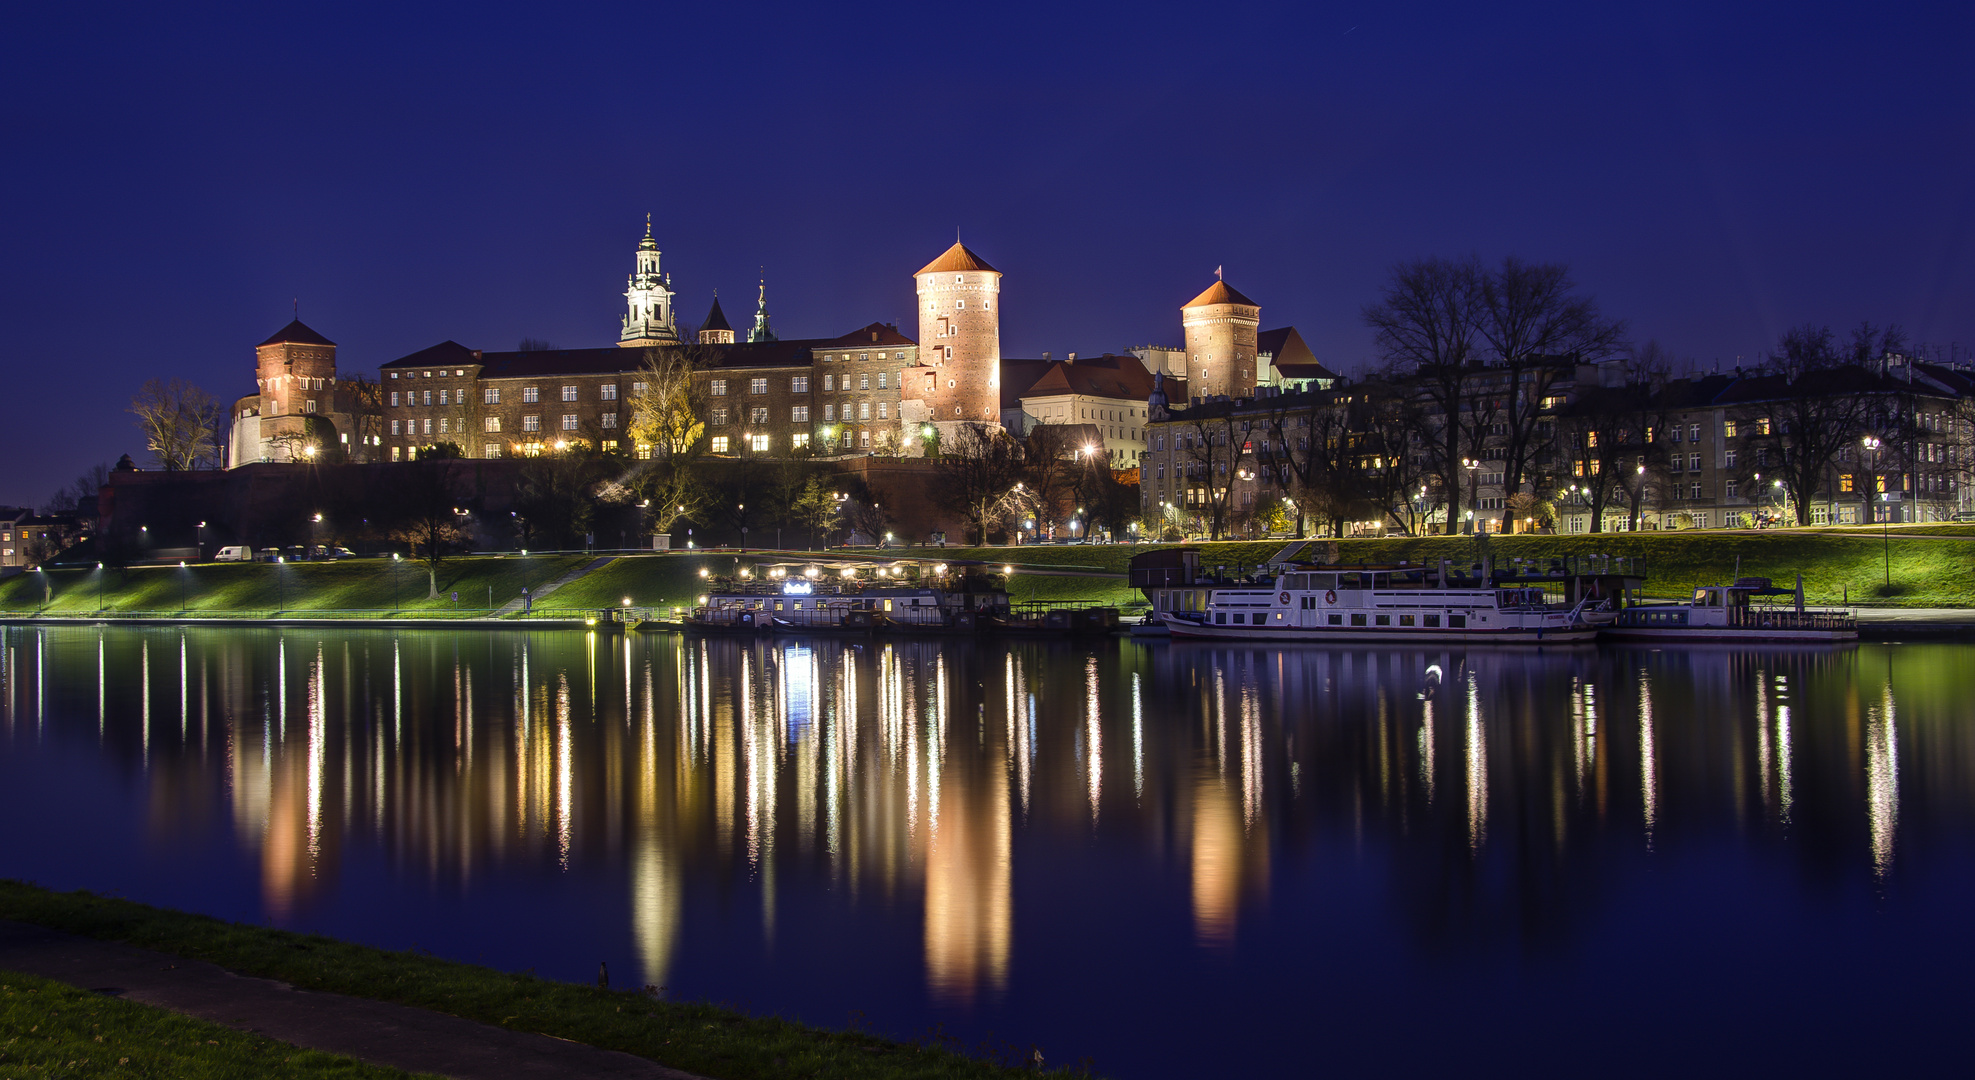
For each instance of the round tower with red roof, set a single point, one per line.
(1221, 325)
(958, 379)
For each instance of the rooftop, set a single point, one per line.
(1220, 292)
(295, 333)
(957, 259)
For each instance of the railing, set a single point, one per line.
(1766, 619)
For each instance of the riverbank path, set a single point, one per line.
(515, 605)
(399, 1036)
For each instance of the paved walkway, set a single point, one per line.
(516, 604)
(1885, 622)
(417, 1040)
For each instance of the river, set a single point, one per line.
(1174, 860)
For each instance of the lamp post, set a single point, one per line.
(280, 585)
(1869, 448)
(99, 588)
(1474, 477)
(200, 540)
(181, 586)
(396, 559)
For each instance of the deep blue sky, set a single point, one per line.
(1714, 173)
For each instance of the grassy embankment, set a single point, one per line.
(699, 1038)
(52, 1029)
(1932, 566)
(362, 587)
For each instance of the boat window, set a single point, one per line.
(1457, 622)
(1433, 620)
(1220, 616)
(1385, 620)
(1405, 620)
(1322, 581)
(1357, 620)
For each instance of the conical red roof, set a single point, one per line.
(1220, 292)
(957, 260)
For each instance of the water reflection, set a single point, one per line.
(756, 782)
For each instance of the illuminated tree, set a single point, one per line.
(180, 423)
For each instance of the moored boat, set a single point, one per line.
(1735, 612)
(1385, 606)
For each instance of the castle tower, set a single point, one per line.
(761, 332)
(648, 300)
(1221, 325)
(295, 374)
(958, 379)
(715, 331)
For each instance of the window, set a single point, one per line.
(491, 450)
(758, 443)
(394, 374)
(758, 415)
(394, 397)
(799, 384)
(428, 397)
(530, 395)
(493, 423)
(799, 414)
(428, 425)
(1693, 463)
(829, 382)
(1694, 491)
(846, 438)
(720, 444)
(610, 392)
(395, 449)
(1673, 432)
(609, 445)
(884, 410)
(1728, 459)
(829, 413)
(610, 419)
(864, 410)
(531, 423)
(1728, 429)
(719, 388)
(864, 382)
(309, 406)
(1732, 487)
(1693, 433)
(960, 305)
(881, 379)
(394, 431)
(569, 393)
(637, 388)
(569, 421)
(932, 382)
(1845, 482)
(800, 440)
(442, 397)
(864, 439)
(718, 417)
(492, 395)
(757, 386)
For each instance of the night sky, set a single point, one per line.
(1713, 172)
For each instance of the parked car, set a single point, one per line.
(235, 553)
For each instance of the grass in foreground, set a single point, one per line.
(698, 1038)
(52, 1029)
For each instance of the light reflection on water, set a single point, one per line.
(986, 808)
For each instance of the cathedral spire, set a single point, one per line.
(648, 316)
(761, 332)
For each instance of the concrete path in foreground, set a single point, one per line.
(400, 1036)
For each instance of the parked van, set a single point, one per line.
(236, 553)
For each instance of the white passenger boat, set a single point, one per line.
(1383, 606)
(1735, 613)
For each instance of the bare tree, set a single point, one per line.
(1538, 329)
(1425, 326)
(428, 514)
(1814, 403)
(977, 472)
(179, 422)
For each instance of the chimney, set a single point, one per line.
(1045, 358)
(1070, 358)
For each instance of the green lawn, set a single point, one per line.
(52, 1029)
(698, 1038)
(367, 586)
(1931, 566)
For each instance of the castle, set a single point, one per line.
(872, 390)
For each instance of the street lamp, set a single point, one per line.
(99, 588)
(181, 586)
(280, 585)
(201, 539)
(395, 560)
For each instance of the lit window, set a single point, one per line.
(829, 382)
(720, 444)
(864, 439)
(395, 449)
(829, 413)
(493, 423)
(884, 410)
(491, 450)
(864, 382)
(800, 440)
(881, 379)
(864, 410)
(758, 443)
